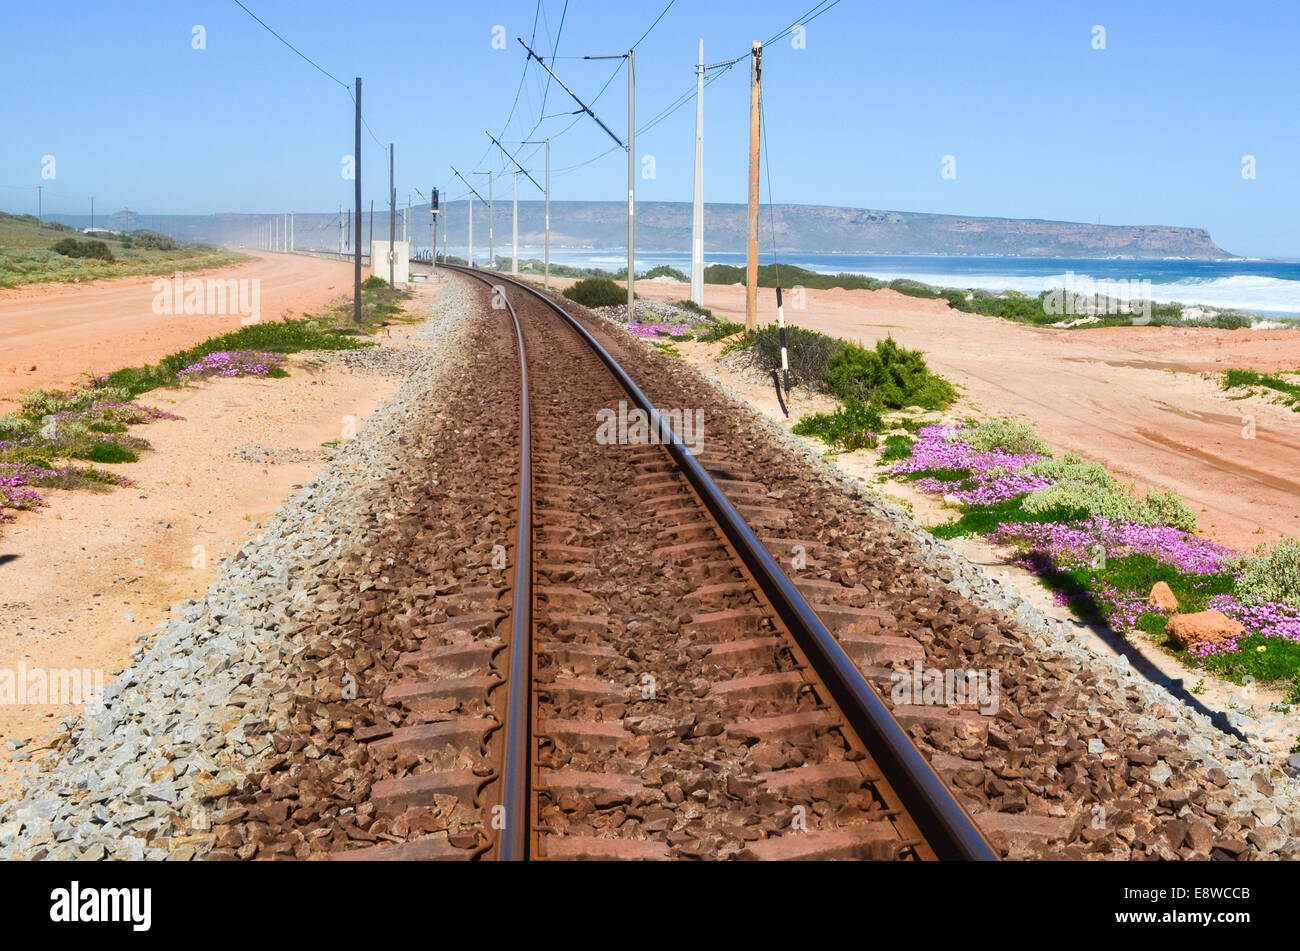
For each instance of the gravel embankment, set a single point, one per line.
(1082, 737)
(188, 720)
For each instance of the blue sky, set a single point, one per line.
(1150, 130)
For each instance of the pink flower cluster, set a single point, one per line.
(995, 475)
(655, 330)
(232, 363)
(110, 408)
(14, 494)
(1077, 543)
(16, 478)
(1270, 619)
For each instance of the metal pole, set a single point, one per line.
(514, 238)
(392, 214)
(697, 218)
(356, 171)
(492, 248)
(469, 203)
(548, 213)
(751, 260)
(631, 184)
(548, 206)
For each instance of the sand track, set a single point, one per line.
(1141, 400)
(51, 334)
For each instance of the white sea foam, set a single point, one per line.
(1274, 296)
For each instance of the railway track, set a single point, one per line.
(637, 677)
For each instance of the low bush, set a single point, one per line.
(1001, 434)
(1113, 502)
(73, 248)
(889, 375)
(663, 270)
(1272, 575)
(720, 329)
(597, 292)
(809, 353)
(852, 426)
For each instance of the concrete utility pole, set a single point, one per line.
(469, 205)
(630, 146)
(514, 253)
(697, 216)
(547, 281)
(491, 247)
(631, 183)
(356, 172)
(392, 214)
(630, 56)
(751, 260)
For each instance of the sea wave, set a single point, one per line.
(1273, 296)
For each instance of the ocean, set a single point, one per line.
(1269, 288)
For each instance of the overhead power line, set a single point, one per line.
(307, 58)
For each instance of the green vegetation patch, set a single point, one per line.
(853, 426)
(597, 292)
(1289, 389)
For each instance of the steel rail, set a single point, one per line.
(516, 773)
(943, 821)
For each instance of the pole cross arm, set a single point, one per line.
(585, 107)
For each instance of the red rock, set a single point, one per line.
(1203, 628)
(1162, 598)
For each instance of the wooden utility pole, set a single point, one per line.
(751, 260)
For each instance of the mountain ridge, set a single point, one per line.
(666, 226)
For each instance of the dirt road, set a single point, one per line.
(1140, 400)
(52, 334)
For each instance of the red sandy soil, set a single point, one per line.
(82, 576)
(52, 334)
(1144, 401)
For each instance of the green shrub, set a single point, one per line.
(913, 288)
(896, 448)
(852, 426)
(1071, 468)
(1272, 575)
(719, 329)
(72, 248)
(152, 240)
(373, 282)
(1001, 434)
(110, 452)
(809, 352)
(663, 270)
(597, 292)
(1166, 508)
(1113, 502)
(888, 375)
(695, 308)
